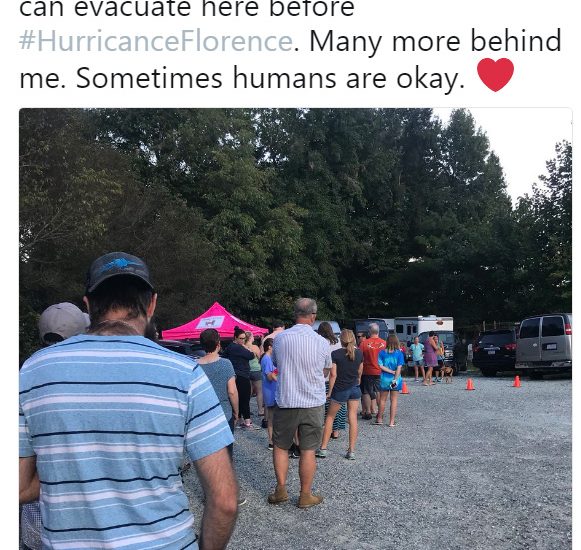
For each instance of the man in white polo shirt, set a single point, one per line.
(300, 355)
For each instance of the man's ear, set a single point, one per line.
(151, 307)
(86, 301)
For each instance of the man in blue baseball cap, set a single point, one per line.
(115, 264)
(108, 414)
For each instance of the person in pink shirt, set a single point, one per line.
(430, 357)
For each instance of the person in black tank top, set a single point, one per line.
(344, 381)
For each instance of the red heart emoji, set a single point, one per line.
(495, 74)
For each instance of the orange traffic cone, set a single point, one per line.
(516, 382)
(469, 384)
(404, 388)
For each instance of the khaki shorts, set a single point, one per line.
(308, 422)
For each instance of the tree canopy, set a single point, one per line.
(381, 212)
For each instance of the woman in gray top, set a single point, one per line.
(221, 374)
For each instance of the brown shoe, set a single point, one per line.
(279, 495)
(308, 500)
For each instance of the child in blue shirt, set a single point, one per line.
(269, 383)
(391, 361)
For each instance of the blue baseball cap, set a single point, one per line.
(114, 264)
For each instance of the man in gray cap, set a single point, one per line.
(56, 323)
(61, 321)
(108, 414)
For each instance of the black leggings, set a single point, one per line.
(244, 389)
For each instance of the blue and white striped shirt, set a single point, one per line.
(107, 418)
(300, 355)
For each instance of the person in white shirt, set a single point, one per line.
(300, 355)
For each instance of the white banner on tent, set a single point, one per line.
(211, 322)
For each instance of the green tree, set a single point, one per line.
(461, 234)
(79, 198)
(380, 212)
(208, 157)
(545, 230)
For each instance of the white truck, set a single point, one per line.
(407, 328)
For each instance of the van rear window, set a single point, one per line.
(497, 338)
(553, 326)
(529, 328)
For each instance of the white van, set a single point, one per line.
(407, 328)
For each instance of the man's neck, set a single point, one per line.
(118, 324)
(304, 322)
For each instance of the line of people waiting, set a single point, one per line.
(158, 404)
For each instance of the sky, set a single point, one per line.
(523, 138)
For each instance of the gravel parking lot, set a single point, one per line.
(482, 469)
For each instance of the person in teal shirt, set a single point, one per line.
(417, 350)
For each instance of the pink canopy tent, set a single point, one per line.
(216, 317)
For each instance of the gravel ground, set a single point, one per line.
(482, 469)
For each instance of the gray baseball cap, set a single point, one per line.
(64, 319)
